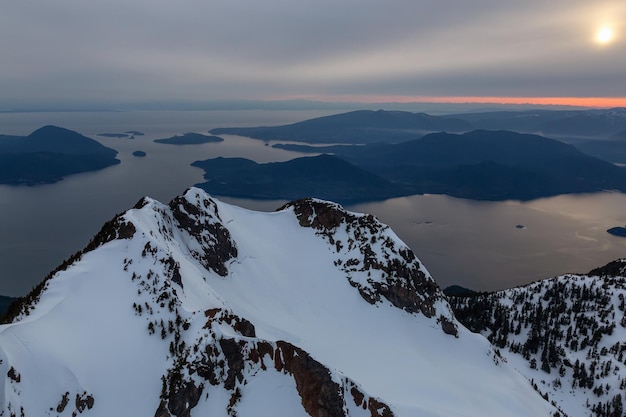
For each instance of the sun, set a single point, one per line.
(604, 35)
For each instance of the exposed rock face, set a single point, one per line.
(321, 396)
(217, 360)
(184, 398)
(393, 272)
(203, 223)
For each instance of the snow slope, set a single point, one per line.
(202, 308)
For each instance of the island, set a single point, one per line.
(190, 139)
(126, 135)
(617, 231)
(49, 154)
(324, 176)
(139, 154)
(478, 165)
(115, 135)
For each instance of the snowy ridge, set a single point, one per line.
(202, 308)
(566, 334)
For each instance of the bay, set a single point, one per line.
(470, 243)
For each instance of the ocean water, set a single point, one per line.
(470, 243)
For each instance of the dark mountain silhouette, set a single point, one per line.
(491, 165)
(325, 177)
(362, 126)
(485, 165)
(459, 291)
(48, 154)
(482, 165)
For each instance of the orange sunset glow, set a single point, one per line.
(595, 102)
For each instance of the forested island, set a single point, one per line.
(49, 154)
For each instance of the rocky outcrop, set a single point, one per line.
(201, 220)
(393, 271)
(217, 360)
(321, 396)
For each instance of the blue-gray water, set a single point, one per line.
(475, 244)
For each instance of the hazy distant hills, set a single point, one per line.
(323, 176)
(48, 154)
(575, 123)
(612, 149)
(362, 126)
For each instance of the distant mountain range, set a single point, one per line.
(49, 154)
(484, 165)
(361, 126)
(367, 126)
(574, 123)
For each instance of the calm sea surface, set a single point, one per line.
(474, 244)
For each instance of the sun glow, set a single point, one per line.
(604, 35)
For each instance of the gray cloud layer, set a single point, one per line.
(204, 50)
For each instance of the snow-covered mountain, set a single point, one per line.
(566, 334)
(200, 308)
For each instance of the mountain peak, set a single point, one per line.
(200, 307)
(64, 141)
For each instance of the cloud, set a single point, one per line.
(248, 49)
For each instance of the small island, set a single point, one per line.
(190, 139)
(134, 133)
(114, 135)
(617, 231)
(139, 154)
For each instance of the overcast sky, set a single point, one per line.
(136, 50)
